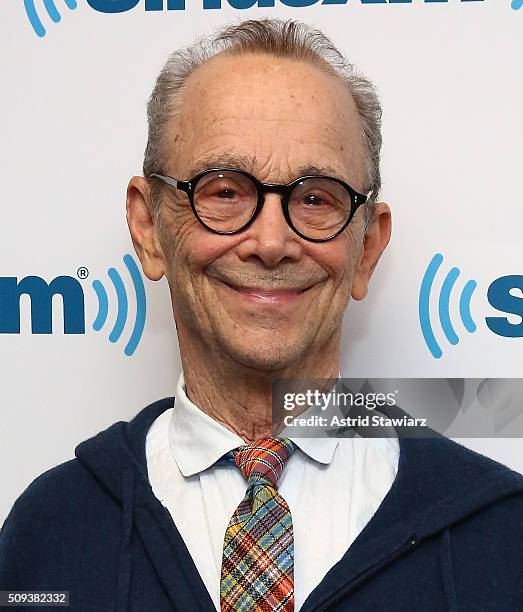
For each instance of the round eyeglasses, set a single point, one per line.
(227, 201)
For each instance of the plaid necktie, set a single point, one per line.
(258, 550)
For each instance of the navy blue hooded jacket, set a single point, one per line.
(447, 536)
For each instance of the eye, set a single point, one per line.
(221, 188)
(312, 200)
(226, 193)
(318, 199)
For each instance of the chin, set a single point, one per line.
(270, 356)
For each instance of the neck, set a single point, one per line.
(239, 396)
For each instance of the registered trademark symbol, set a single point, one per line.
(82, 272)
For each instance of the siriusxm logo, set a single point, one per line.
(70, 289)
(122, 6)
(499, 297)
(51, 10)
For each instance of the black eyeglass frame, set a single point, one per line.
(189, 187)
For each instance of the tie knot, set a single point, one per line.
(262, 462)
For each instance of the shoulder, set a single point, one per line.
(51, 501)
(485, 495)
(497, 489)
(53, 489)
(451, 467)
(54, 516)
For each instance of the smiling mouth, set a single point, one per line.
(263, 295)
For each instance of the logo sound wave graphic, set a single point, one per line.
(52, 11)
(109, 7)
(123, 305)
(443, 305)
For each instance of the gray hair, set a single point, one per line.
(280, 38)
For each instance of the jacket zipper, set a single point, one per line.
(412, 541)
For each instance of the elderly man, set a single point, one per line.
(259, 205)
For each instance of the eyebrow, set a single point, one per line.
(225, 160)
(323, 169)
(247, 163)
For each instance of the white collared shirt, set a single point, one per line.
(332, 486)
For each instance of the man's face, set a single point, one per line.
(265, 296)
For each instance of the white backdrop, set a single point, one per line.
(74, 131)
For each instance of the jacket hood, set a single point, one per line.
(438, 483)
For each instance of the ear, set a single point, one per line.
(142, 229)
(375, 242)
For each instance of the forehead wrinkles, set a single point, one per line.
(282, 156)
(268, 167)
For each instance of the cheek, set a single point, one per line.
(339, 257)
(180, 233)
(190, 248)
(203, 247)
(352, 249)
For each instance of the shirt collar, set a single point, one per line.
(197, 441)
(321, 447)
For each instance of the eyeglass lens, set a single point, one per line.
(225, 201)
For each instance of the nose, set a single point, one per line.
(269, 238)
